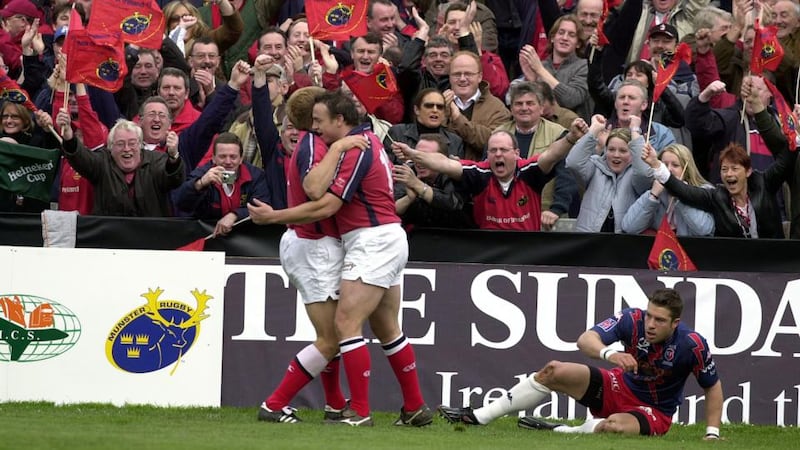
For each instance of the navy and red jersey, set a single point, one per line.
(664, 367)
(363, 180)
(309, 152)
(518, 209)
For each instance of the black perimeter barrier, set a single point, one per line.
(426, 245)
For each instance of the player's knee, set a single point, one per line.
(327, 345)
(550, 373)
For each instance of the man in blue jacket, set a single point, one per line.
(221, 188)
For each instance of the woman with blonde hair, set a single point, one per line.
(184, 25)
(648, 211)
(611, 186)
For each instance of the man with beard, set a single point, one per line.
(506, 190)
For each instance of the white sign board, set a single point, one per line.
(111, 326)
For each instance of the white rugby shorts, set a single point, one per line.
(314, 266)
(377, 255)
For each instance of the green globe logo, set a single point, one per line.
(35, 328)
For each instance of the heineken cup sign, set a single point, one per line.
(27, 171)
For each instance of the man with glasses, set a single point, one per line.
(505, 189)
(423, 66)
(127, 181)
(473, 111)
(204, 59)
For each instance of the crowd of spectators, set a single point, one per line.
(509, 114)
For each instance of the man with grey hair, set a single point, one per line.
(535, 134)
(127, 180)
(717, 21)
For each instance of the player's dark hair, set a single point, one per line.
(669, 299)
(340, 104)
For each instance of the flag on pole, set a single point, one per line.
(11, 92)
(27, 171)
(336, 20)
(767, 51)
(95, 59)
(372, 89)
(667, 253)
(785, 115)
(668, 66)
(141, 22)
(194, 246)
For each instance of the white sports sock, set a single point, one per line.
(585, 427)
(524, 395)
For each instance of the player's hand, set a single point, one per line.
(350, 142)
(260, 212)
(624, 360)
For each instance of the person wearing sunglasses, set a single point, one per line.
(429, 115)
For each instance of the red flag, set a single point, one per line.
(97, 60)
(785, 115)
(336, 20)
(767, 50)
(141, 22)
(372, 89)
(75, 21)
(11, 92)
(194, 246)
(668, 66)
(667, 253)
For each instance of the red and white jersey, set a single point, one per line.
(517, 209)
(363, 180)
(309, 152)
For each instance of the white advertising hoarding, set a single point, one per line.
(111, 326)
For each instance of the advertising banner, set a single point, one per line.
(111, 326)
(479, 329)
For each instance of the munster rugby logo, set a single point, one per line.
(339, 15)
(35, 328)
(135, 24)
(13, 95)
(108, 70)
(156, 334)
(668, 260)
(767, 51)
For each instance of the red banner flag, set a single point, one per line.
(767, 51)
(668, 66)
(97, 60)
(336, 20)
(11, 92)
(372, 89)
(667, 253)
(194, 246)
(141, 22)
(608, 5)
(75, 21)
(785, 115)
